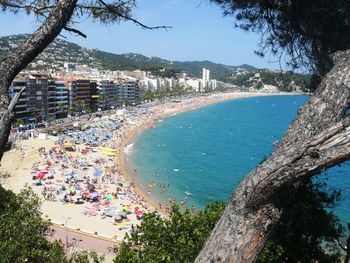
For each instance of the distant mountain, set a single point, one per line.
(61, 51)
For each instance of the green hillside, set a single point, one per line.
(61, 51)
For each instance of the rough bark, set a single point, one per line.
(347, 257)
(317, 139)
(26, 53)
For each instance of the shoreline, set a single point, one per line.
(133, 132)
(123, 167)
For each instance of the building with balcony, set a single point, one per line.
(33, 103)
(79, 94)
(127, 93)
(106, 93)
(57, 98)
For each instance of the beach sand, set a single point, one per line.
(18, 162)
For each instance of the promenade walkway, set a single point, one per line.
(77, 240)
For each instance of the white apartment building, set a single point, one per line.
(206, 74)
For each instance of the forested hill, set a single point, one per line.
(61, 51)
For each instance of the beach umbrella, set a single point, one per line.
(77, 176)
(139, 214)
(41, 175)
(85, 193)
(109, 197)
(94, 194)
(106, 203)
(97, 172)
(37, 181)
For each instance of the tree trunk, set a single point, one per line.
(24, 54)
(317, 139)
(347, 248)
(347, 257)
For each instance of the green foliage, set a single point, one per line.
(284, 81)
(178, 239)
(19, 122)
(49, 117)
(23, 233)
(85, 257)
(23, 230)
(163, 72)
(158, 94)
(307, 231)
(242, 80)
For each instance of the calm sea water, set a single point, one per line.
(203, 154)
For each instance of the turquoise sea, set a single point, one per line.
(203, 154)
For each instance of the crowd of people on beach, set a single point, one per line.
(89, 175)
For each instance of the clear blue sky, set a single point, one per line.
(199, 32)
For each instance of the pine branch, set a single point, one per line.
(76, 31)
(113, 10)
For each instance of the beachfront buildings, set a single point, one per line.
(22, 105)
(128, 93)
(83, 94)
(81, 89)
(57, 99)
(147, 80)
(106, 93)
(113, 94)
(46, 97)
(33, 103)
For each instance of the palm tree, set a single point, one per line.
(73, 110)
(80, 105)
(19, 122)
(38, 115)
(102, 98)
(49, 117)
(63, 110)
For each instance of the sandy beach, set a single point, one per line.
(91, 189)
